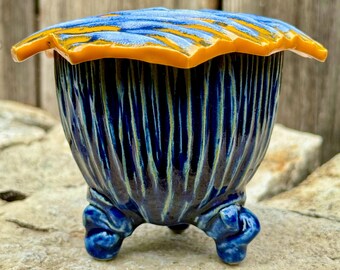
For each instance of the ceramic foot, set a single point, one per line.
(106, 228)
(233, 228)
(179, 228)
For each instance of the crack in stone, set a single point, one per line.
(334, 258)
(14, 144)
(315, 215)
(30, 226)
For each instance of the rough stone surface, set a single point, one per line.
(44, 164)
(25, 114)
(22, 124)
(13, 133)
(45, 232)
(56, 136)
(318, 195)
(57, 209)
(291, 156)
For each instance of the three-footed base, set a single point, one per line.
(232, 227)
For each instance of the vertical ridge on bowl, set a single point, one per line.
(166, 143)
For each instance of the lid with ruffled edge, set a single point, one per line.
(178, 38)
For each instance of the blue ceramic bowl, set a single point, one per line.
(168, 114)
(166, 145)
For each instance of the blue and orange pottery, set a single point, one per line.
(168, 114)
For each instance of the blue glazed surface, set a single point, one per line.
(178, 38)
(139, 27)
(169, 146)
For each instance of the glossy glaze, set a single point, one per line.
(167, 145)
(178, 38)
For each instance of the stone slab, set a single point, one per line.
(25, 114)
(13, 133)
(43, 164)
(50, 236)
(22, 124)
(318, 195)
(291, 156)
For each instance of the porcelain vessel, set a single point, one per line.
(168, 114)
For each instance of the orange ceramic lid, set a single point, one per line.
(178, 38)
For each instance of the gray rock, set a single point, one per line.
(291, 156)
(13, 133)
(318, 195)
(57, 137)
(25, 114)
(22, 124)
(57, 209)
(44, 164)
(45, 232)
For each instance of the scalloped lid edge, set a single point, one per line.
(191, 39)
